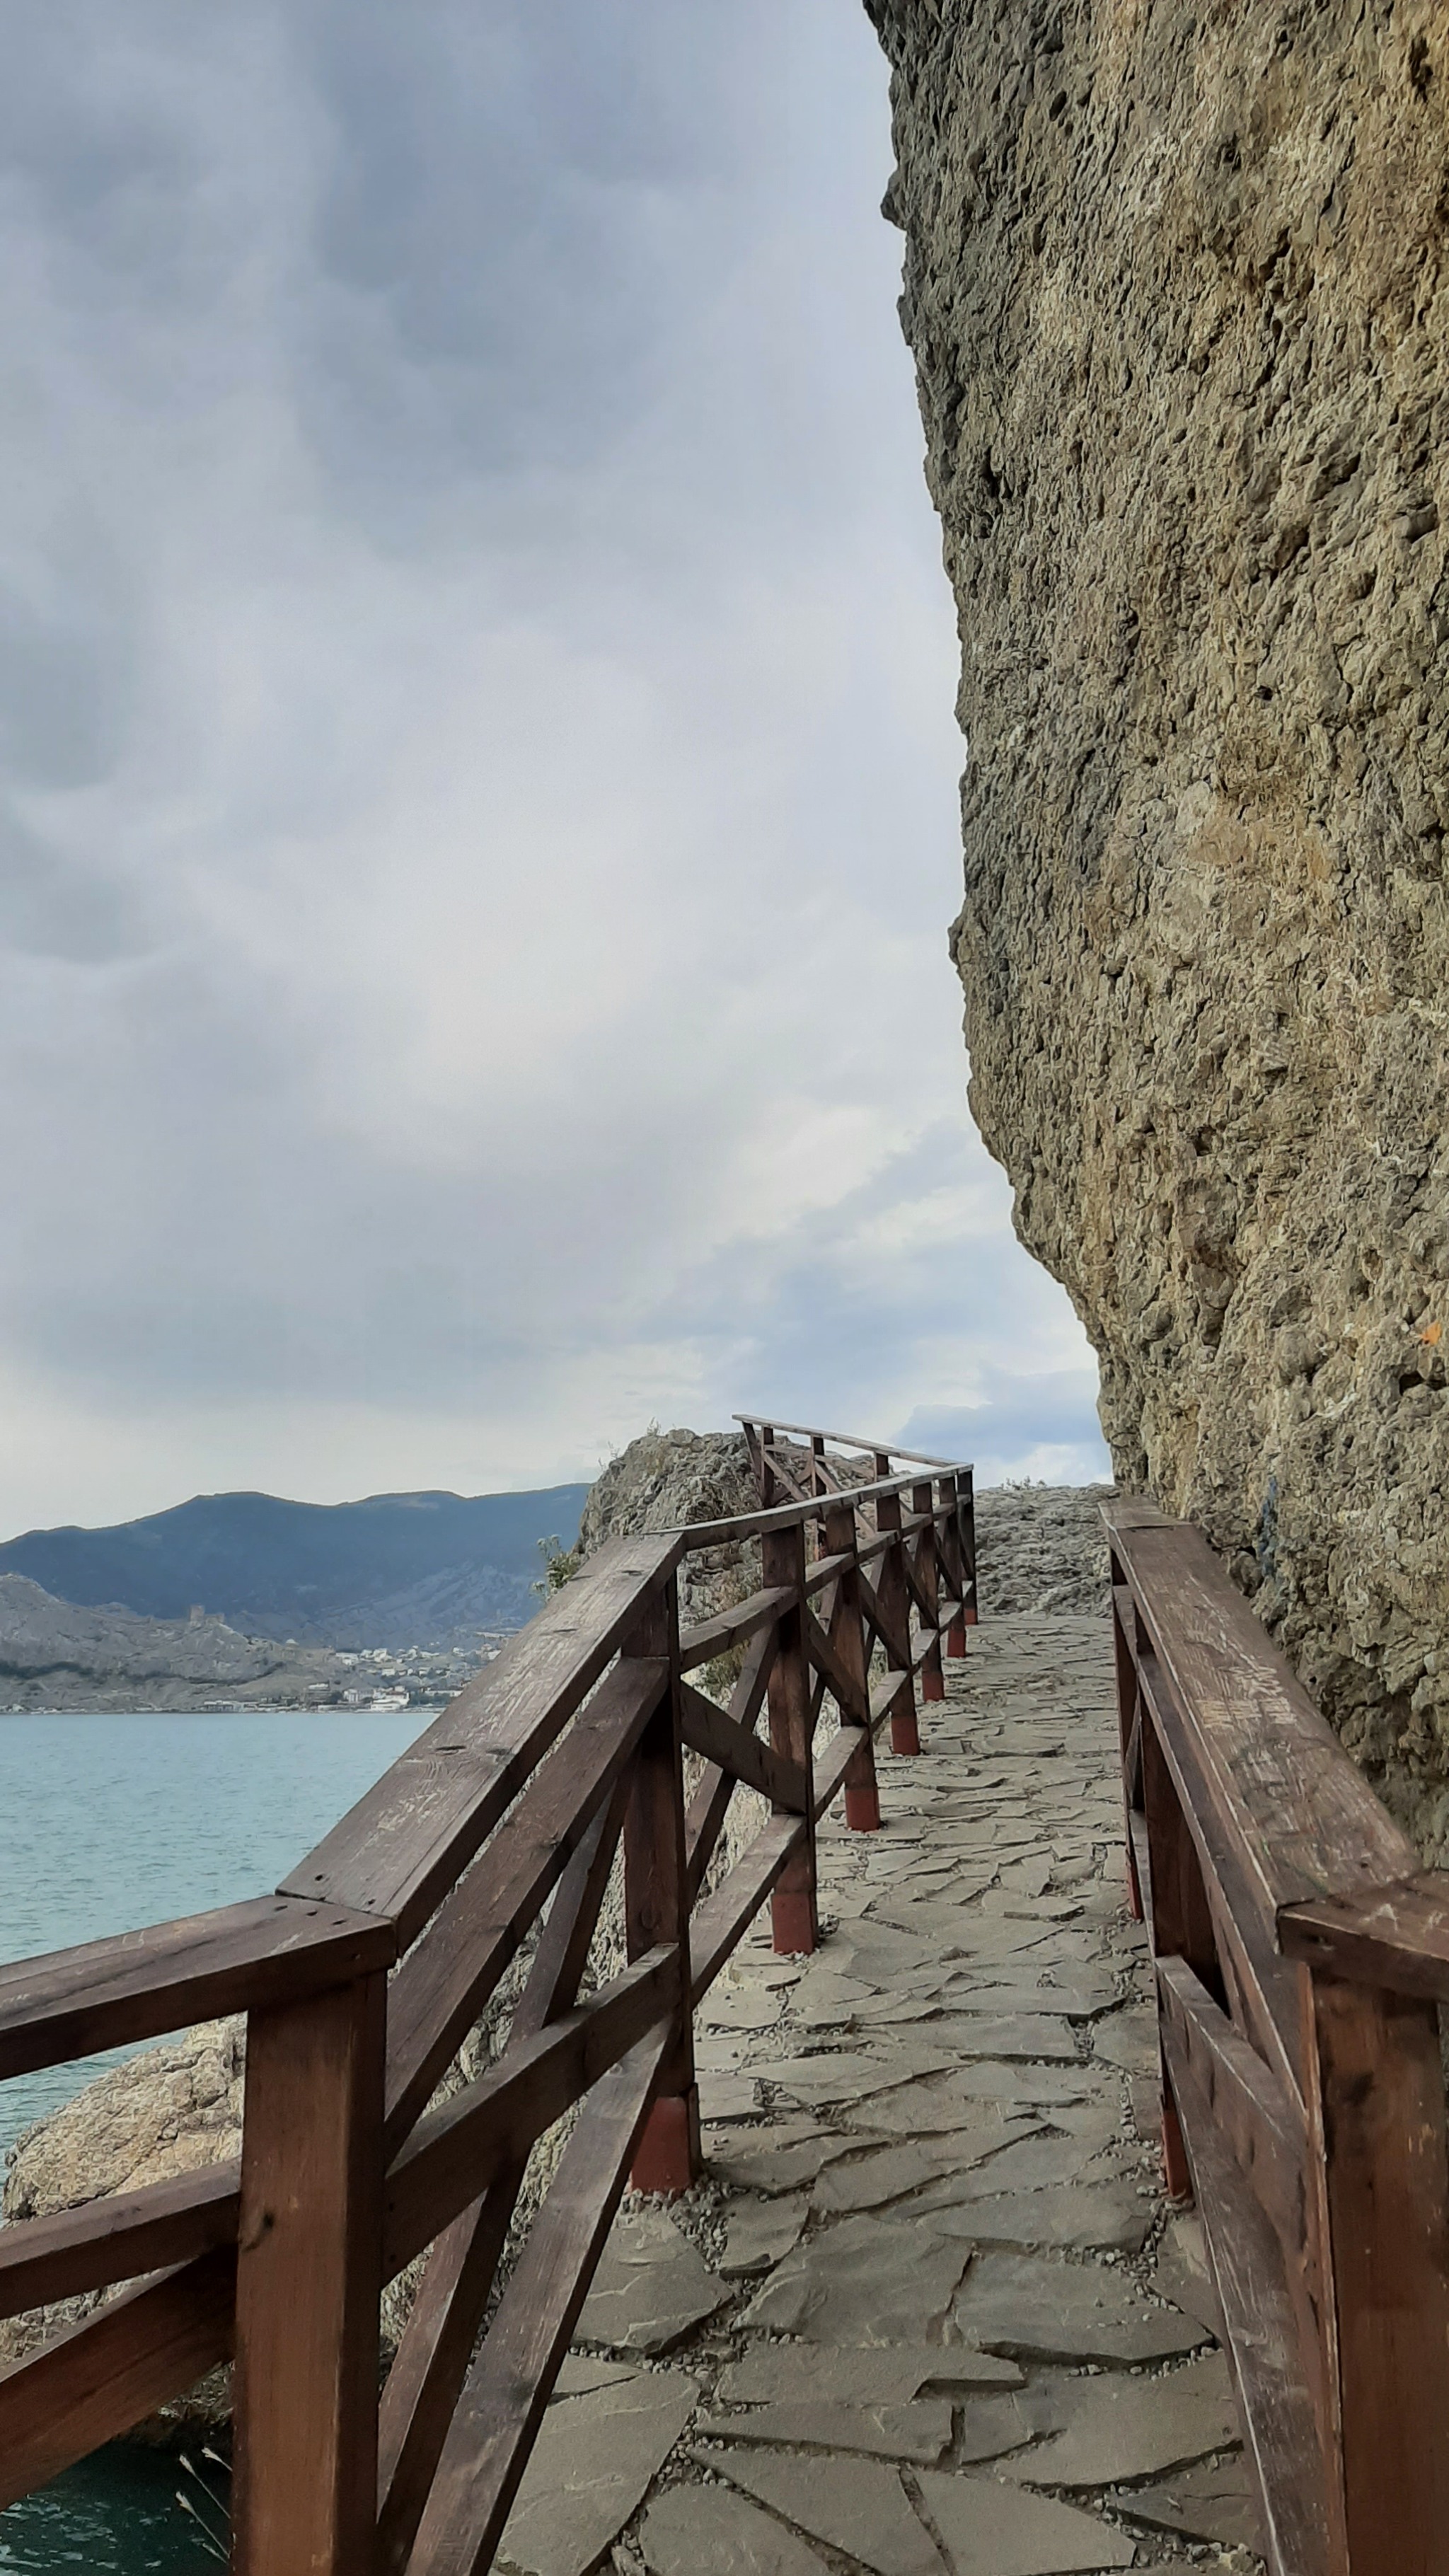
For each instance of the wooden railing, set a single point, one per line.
(1301, 1954)
(555, 1782)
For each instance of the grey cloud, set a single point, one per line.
(475, 687)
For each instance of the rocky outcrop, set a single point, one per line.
(669, 1480)
(1174, 281)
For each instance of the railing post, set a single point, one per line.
(1375, 2100)
(792, 1905)
(966, 1524)
(1182, 1923)
(953, 1558)
(895, 1600)
(656, 1903)
(1128, 1705)
(309, 2279)
(847, 1635)
(923, 1499)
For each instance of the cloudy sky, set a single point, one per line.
(477, 760)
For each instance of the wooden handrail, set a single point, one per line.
(561, 1758)
(239, 1958)
(847, 1440)
(1300, 1955)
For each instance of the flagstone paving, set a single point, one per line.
(928, 2312)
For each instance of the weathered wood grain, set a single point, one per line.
(793, 1908)
(705, 1817)
(1258, 2120)
(1280, 2428)
(431, 2360)
(1305, 1822)
(1376, 2118)
(509, 2385)
(711, 1637)
(95, 2380)
(308, 2281)
(443, 1984)
(1395, 1936)
(136, 1985)
(117, 2238)
(466, 2142)
(398, 1851)
(723, 1919)
(708, 1730)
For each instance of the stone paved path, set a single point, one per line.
(928, 2315)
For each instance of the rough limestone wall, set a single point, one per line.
(1174, 281)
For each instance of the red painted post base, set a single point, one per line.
(956, 1637)
(792, 1918)
(905, 1734)
(862, 1810)
(668, 2157)
(969, 1614)
(933, 1684)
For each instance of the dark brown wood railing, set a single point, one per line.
(558, 1774)
(1301, 1956)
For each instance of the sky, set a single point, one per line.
(478, 779)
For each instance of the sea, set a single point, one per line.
(108, 1823)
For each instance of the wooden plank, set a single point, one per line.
(1396, 1936)
(847, 1440)
(462, 2145)
(709, 1731)
(870, 1549)
(656, 1905)
(794, 1485)
(1275, 2402)
(1257, 2118)
(886, 1697)
(1129, 1725)
(431, 2364)
(782, 1516)
(889, 1612)
(724, 1918)
(1181, 1921)
(704, 1821)
(117, 2238)
(891, 1633)
(1376, 2117)
(832, 1767)
(69, 2003)
(399, 1850)
(97, 2379)
(711, 1637)
(443, 1984)
(827, 1570)
(1304, 1820)
(1265, 1986)
(499, 2413)
(846, 1687)
(308, 2281)
(848, 1643)
(431, 2361)
(793, 1908)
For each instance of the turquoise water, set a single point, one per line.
(111, 1822)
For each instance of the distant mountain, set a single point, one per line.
(395, 1570)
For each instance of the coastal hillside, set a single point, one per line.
(395, 1570)
(63, 1655)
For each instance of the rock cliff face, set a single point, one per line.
(1174, 281)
